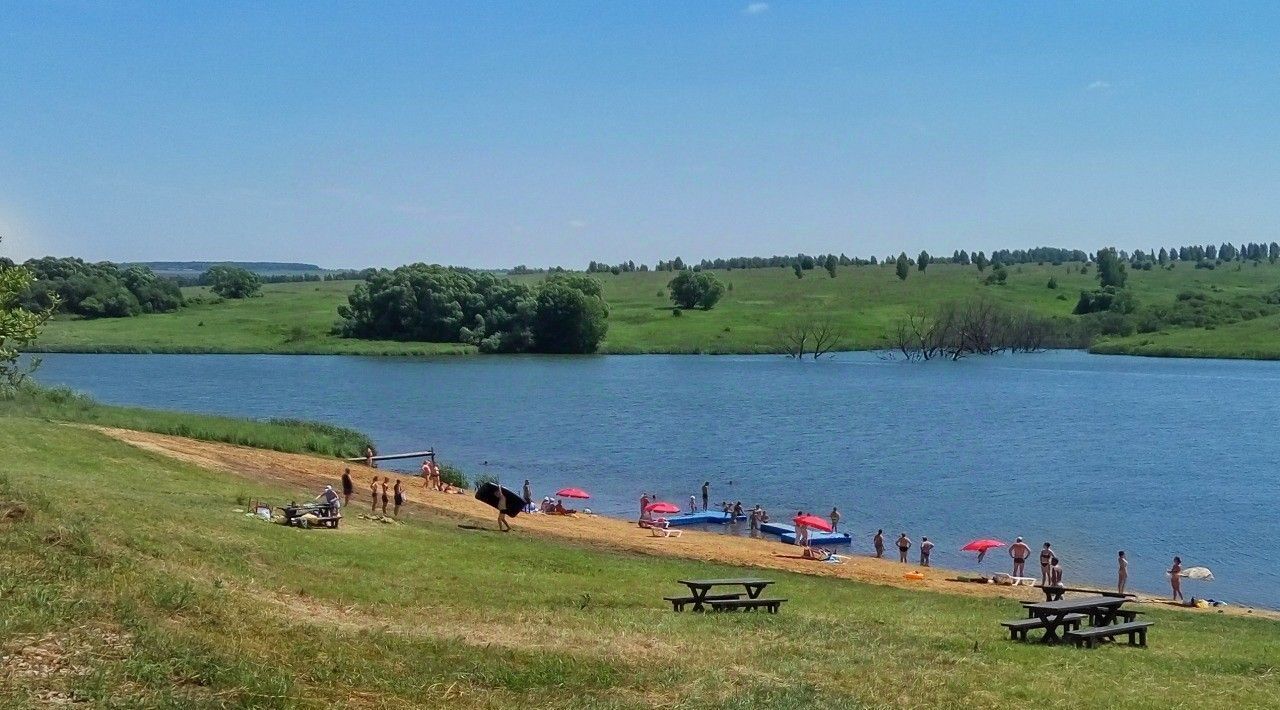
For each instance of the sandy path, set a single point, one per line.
(311, 473)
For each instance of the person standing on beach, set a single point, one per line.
(1046, 557)
(373, 494)
(1019, 551)
(755, 518)
(1055, 572)
(706, 494)
(802, 531)
(1175, 579)
(399, 499)
(426, 473)
(904, 544)
(878, 541)
(528, 495)
(385, 481)
(348, 487)
(1123, 564)
(503, 525)
(644, 503)
(835, 519)
(925, 548)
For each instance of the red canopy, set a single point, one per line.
(982, 545)
(572, 493)
(813, 521)
(662, 507)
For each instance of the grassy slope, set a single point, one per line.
(288, 318)
(293, 436)
(221, 610)
(866, 300)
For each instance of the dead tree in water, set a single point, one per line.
(816, 335)
(978, 326)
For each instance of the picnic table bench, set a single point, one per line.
(700, 593)
(1102, 610)
(1126, 615)
(1018, 628)
(1135, 630)
(769, 605)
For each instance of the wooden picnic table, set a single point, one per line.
(1053, 614)
(700, 588)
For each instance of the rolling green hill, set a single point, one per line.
(865, 301)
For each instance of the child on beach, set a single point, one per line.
(693, 505)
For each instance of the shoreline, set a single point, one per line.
(595, 531)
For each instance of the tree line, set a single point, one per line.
(564, 313)
(99, 290)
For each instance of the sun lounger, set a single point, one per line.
(662, 528)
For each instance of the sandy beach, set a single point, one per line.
(310, 474)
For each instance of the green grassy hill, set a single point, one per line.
(297, 318)
(131, 581)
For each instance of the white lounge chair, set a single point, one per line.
(662, 528)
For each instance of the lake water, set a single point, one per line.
(1093, 453)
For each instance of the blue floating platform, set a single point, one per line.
(777, 528)
(701, 518)
(820, 538)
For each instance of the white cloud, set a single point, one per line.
(1098, 85)
(756, 8)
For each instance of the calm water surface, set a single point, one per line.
(1095, 454)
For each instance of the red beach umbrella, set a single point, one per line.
(982, 545)
(813, 521)
(572, 493)
(662, 507)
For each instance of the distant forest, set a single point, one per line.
(1203, 256)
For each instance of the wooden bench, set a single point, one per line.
(1136, 630)
(1018, 628)
(678, 603)
(770, 605)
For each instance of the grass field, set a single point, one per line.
(296, 318)
(131, 582)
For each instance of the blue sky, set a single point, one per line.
(490, 134)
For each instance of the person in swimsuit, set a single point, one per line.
(693, 504)
(925, 548)
(1019, 551)
(528, 495)
(502, 511)
(644, 503)
(802, 531)
(348, 487)
(1046, 557)
(835, 519)
(904, 544)
(878, 541)
(385, 481)
(737, 510)
(426, 473)
(373, 494)
(1055, 572)
(399, 499)
(368, 457)
(706, 493)
(1175, 579)
(755, 518)
(1123, 563)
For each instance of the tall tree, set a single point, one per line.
(903, 267)
(922, 261)
(831, 264)
(981, 261)
(1111, 268)
(19, 326)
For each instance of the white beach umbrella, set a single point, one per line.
(1201, 573)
